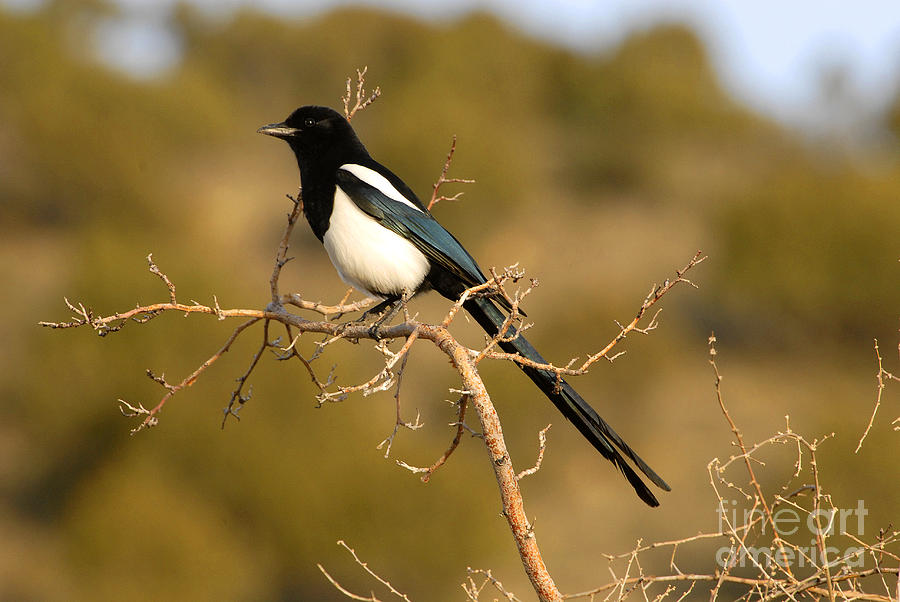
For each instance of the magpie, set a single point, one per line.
(385, 243)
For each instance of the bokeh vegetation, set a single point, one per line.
(600, 174)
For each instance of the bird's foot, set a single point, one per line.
(375, 330)
(388, 309)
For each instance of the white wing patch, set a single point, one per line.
(368, 256)
(376, 180)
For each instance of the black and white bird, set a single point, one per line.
(385, 243)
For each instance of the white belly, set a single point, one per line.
(368, 256)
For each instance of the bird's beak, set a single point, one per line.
(278, 130)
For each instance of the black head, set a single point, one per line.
(318, 136)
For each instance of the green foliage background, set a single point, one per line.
(600, 174)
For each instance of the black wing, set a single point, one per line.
(415, 225)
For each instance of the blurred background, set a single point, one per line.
(608, 144)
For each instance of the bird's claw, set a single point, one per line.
(375, 331)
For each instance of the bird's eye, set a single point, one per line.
(309, 122)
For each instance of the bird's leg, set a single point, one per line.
(393, 305)
(404, 299)
(369, 312)
(373, 311)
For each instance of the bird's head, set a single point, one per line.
(316, 135)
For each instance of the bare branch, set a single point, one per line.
(463, 359)
(740, 441)
(385, 378)
(473, 591)
(850, 595)
(511, 496)
(656, 293)
(151, 418)
(880, 379)
(362, 100)
(834, 575)
(443, 179)
(398, 421)
(163, 277)
(365, 567)
(344, 590)
(236, 396)
(460, 424)
(281, 257)
(542, 445)
(327, 310)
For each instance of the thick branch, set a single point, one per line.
(511, 496)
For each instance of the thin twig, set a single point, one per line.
(345, 591)
(362, 99)
(443, 179)
(542, 446)
(237, 397)
(461, 405)
(740, 441)
(151, 419)
(154, 269)
(365, 567)
(656, 293)
(398, 419)
(735, 579)
(473, 592)
(281, 257)
(879, 377)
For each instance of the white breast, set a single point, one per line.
(367, 255)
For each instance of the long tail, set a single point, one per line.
(569, 402)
